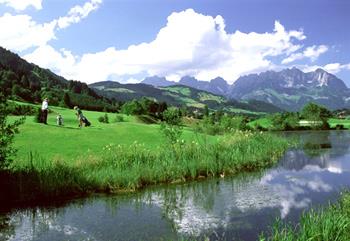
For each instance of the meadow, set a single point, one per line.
(59, 161)
(70, 142)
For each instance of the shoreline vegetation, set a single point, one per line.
(122, 168)
(330, 222)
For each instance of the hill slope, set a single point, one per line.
(30, 83)
(179, 95)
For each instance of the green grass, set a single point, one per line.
(69, 142)
(328, 223)
(267, 123)
(119, 90)
(333, 122)
(179, 90)
(263, 122)
(203, 96)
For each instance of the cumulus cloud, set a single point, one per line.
(332, 68)
(311, 53)
(77, 13)
(190, 44)
(21, 5)
(20, 32)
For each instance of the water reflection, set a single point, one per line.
(239, 207)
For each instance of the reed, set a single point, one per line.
(128, 168)
(328, 223)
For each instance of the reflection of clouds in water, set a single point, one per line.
(31, 224)
(284, 190)
(289, 198)
(332, 167)
(295, 186)
(315, 184)
(189, 218)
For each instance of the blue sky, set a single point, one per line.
(127, 40)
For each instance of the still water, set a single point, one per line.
(230, 208)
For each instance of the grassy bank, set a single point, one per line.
(127, 168)
(329, 223)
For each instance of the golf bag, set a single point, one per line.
(86, 121)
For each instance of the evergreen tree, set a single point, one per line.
(206, 111)
(66, 100)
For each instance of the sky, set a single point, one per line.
(128, 40)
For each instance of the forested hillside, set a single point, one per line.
(30, 83)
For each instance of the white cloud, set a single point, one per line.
(332, 68)
(21, 32)
(77, 13)
(312, 53)
(47, 56)
(336, 67)
(21, 5)
(190, 44)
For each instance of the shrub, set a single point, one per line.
(119, 118)
(7, 132)
(171, 126)
(103, 119)
(38, 115)
(15, 109)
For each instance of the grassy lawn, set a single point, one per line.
(70, 141)
(333, 122)
(266, 122)
(263, 122)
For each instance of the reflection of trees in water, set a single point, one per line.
(297, 159)
(318, 147)
(7, 229)
(32, 222)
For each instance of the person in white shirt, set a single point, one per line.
(44, 111)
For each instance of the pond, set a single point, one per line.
(230, 208)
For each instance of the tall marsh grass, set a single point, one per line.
(330, 223)
(132, 167)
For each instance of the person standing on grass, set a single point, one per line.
(82, 119)
(44, 111)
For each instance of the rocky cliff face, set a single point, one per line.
(289, 89)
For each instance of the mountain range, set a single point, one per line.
(270, 91)
(289, 89)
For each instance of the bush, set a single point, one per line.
(285, 121)
(38, 115)
(171, 126)
(339, 127)
(103, 119)
(15, 109)
(7, 132)
(224, 125)
(119, 118)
